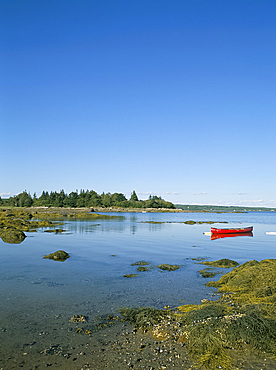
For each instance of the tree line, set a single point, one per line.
(88, 198)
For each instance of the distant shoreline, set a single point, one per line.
(102, 209)
(189, 209)
(71, 210)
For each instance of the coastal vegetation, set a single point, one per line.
(242, 322)
(88, 198)
(14, 222)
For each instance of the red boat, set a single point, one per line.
(219, 235)
(240, 230)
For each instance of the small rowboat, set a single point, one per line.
(220, 236)
(240, 230)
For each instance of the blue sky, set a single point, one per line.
(172, 98)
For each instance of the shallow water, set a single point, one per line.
(38, 296)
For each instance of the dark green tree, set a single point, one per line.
(106, 200)
(133, 197)
(44, 199)
(23, 200)
(72, 199)
(118, 200)
(94, 199)
(82, 199)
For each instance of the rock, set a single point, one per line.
(58, 256)
(12, 235)
(78, 318)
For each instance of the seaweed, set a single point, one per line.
(242, 320)
(224, 263)
(13, 223)
(71, 214)
(78, 318)
(252, 282)
(254, 329)
(143, 318)
(167, 267)
(198, 259)
(143, 268)
(140, 263)
(206, 345)
(12, 235)
(58, 256)
(191, 222)
(130, 275)
(209, 272)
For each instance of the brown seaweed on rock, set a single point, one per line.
(58, 256)
(13, 223)
(168, 267)
(12, 235)
(224, 263)
(217, 334)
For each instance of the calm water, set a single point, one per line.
(35, 293)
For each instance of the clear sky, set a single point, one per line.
(174, 98)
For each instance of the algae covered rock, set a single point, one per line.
(224, 263)
(130, 275)
(58, 256)
(167, 267)
(12, 235)
(140, 263)
(143, 268)
(252, 281)
(13, 223)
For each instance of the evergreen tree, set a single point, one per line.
(44, 199)
(94, 199)
(23, 199)
(106, 199)
(72, 199)
(133, 197)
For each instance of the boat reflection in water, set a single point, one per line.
(229, 235)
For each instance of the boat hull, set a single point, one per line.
(240, 230)
(229, 235)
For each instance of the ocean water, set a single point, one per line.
(38, 296)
